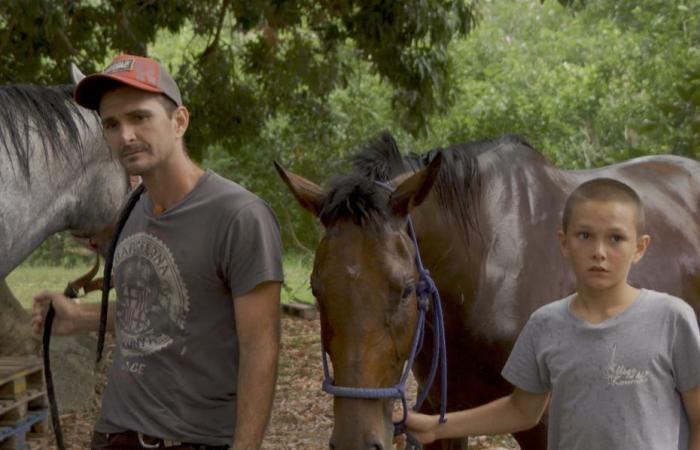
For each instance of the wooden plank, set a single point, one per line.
(303, 310)
(14, 413)
(17, 373)
(23, 401)
(37, 442)
(31, 433)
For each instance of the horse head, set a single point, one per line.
(103, 184)
(56, 169)
(364, 279)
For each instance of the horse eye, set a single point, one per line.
(407, 291)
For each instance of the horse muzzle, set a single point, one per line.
(362, 424)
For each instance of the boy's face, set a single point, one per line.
(602, 243)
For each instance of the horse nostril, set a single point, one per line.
(331, 446)
(376, 447)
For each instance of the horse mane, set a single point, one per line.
(360, 198)
(356, 198)
(46, 111)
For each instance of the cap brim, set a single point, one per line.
(90, 89)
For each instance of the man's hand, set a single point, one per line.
(67, 319)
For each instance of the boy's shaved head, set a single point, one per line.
(604, 190)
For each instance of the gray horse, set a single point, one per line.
(56, 174)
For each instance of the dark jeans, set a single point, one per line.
(129, 440)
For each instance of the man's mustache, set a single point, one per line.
(132, 148)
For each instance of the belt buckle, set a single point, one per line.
(166, 442)
(144, 444)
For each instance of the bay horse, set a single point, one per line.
(486, 216)
(56, 171)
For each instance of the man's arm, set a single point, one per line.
(691, 402)
(258, 329)
(517, 412)
(71, 317)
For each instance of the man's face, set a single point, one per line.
(602, 243)
(139, 130)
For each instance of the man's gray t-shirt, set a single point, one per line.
(175, 274)
(615, 385)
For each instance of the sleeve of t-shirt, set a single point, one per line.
(522, 368)
(686, 350)
(252, 250)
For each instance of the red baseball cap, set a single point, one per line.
(136, 71)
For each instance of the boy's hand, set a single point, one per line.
(67, 319)
(422, 426)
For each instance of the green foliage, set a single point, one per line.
(28, 280)
(32, 277)
(61, 250)
(297, 272)
(588, 86)
(307, 83)
(248, 61)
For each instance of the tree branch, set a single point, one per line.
(67, 42)
(217, 34)
(6, 36)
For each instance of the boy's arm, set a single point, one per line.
(691, 402)
(519, 411)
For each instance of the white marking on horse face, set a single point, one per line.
(353, 271)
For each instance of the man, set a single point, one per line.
(197, 273)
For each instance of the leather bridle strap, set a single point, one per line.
(87, 284)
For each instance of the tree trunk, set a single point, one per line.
(72, 358)
(16, 337)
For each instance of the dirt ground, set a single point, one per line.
(302, 413)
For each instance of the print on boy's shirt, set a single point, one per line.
(153, 301)
(619, 375)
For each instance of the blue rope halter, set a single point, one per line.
(425, 290)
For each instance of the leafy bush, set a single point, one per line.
(61, 250)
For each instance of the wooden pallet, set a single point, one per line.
(302, 310)
(24, 417)
(22, 388)
(29, 434)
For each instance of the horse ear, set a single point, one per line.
(308, 194)
(75, 74)
(413, 190)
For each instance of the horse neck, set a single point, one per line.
(80, 192)
(444, 242)
(516, 187)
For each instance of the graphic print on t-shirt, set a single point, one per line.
(153, 301)
(619, 375)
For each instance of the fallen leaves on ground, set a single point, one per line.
(302, 416)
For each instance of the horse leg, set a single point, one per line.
(533, 439)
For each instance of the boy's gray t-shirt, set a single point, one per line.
(174, 369)
(615, 385)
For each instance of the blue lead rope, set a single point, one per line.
(425, 291)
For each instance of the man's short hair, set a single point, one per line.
(605, 190)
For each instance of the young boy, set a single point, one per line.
(618, 366)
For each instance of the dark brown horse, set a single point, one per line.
(486, 216)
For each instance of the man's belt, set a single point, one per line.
(138, 439)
